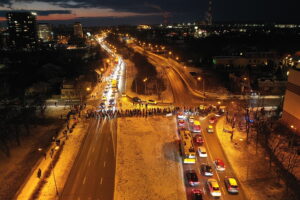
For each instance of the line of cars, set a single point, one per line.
(185, 121)
(138, 100)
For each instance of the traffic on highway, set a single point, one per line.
(206, 170)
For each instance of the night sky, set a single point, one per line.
(112, 12)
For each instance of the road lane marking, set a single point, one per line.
(101, 180)
(106, 149)
(104, 163)
(93, 149)
(89, 163)
(223, 190)
(84, 180)
(78, 198)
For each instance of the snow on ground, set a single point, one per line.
(65, 162)
(251, 168)
(16, 168)
(166, 96)
(148, 164)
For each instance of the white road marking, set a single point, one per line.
(104, 163)
(218, 176)
(101, 180)
(84, 180)
(89, 163)
(78, 198)
(93, 149)
(106, 149)
(223, 190)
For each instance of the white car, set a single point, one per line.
(191, 119)
(202, 152)
(213, 187)
(180, 115)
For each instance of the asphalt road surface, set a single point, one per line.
(214, 151)
(93, 173)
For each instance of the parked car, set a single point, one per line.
(136, 99)
(150, 101)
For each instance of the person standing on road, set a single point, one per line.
(39, 173)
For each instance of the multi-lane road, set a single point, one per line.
(214, 151)
(92, 175)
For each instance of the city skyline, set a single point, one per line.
(151, 12)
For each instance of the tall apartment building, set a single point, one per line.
(45, 32)
(78, 32)
(291, 111)
(22, 30)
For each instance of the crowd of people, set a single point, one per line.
(145, 112)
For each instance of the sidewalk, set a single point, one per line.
(251, 168)
(34, 185)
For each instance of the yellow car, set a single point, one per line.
(231, 185)
(210, 129)
(151, 102)
(213, 187)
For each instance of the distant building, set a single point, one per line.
(22, 30)
(68, 90)
(78, 32)
(291, 111)
(4, 39)
(247, 59)
(45, 32)
(143, 27)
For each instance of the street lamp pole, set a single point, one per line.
(199, 78)
(54, 178)
(145, 82)
(203, 90)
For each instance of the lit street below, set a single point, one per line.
(92, 175)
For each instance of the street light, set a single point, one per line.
(145, 80)
(199, 78)
(88, 89)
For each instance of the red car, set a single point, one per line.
(212, 120)
(197, 194)
(198, 139)
(220, 166)
(181, 122)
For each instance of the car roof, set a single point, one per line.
(202, 148)
(210, 126)
(232, 181)
(213, 182)
(196, 122)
